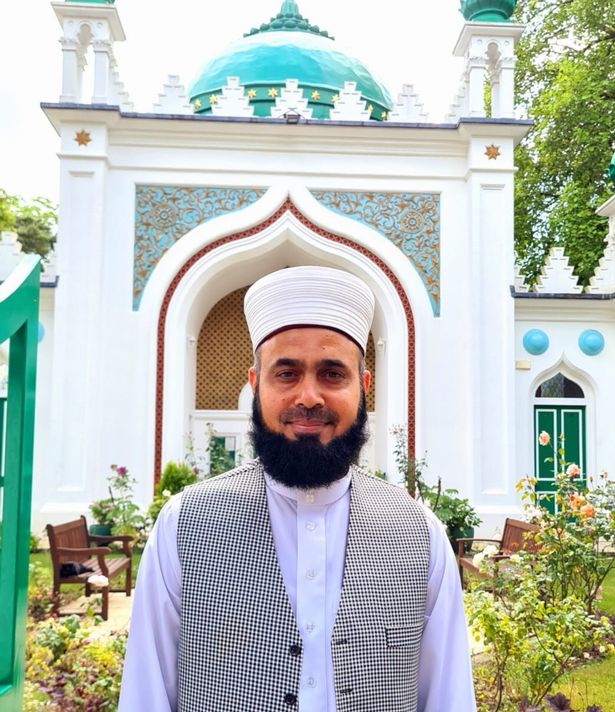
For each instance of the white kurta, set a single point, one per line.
(307, 527)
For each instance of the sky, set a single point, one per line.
(400, 41)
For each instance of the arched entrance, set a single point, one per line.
(227, 264)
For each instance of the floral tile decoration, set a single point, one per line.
(164, 214)
(411, 221)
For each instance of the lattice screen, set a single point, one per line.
(224, 355)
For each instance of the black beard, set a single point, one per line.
(305, 462)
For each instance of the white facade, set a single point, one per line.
(117, 379)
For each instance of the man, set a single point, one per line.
(296, 581)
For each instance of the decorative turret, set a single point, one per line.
(487, 43)
(487, 10)
(91, 24)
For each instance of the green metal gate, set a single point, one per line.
(19, 299)
(558, 420)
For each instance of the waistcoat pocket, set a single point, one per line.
(402, 636)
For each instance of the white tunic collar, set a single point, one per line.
(319, 496)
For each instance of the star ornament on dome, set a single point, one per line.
(251, 93)
(82, 137)
(492, 152)
(335, 98)
(315, 95)
(272, 93)
(197, 104)
(213, 99)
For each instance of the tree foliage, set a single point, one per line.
(566, 83)
(33, 222)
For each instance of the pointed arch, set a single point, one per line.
(333, 248)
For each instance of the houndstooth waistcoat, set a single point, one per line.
(239, 647)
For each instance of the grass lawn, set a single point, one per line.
(591, 685)
(607, 604)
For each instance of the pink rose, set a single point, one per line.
(573, 470)
(544, 438)
(121, 471)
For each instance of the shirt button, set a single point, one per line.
(310, 526)
(290, 699)
(295, 650)
(311, 682)
(309, 627)
(310, 574)
(309, 497)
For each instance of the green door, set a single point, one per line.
(558, 420)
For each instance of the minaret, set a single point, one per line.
(487, 43)
(95, 24)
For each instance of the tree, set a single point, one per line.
(33, 222)
(566, 83)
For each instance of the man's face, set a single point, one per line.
(309, 383)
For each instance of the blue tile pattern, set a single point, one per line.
(411, 221)
(164, 214)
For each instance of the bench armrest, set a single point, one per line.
(111, 537)
(493, 541)
(125, 539)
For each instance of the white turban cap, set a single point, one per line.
(309, 296)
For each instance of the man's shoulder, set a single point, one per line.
(379, 485)
(383, 492)
(245, 475)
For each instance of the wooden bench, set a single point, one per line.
(71, 543)
(517, 535)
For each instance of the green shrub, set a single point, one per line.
(67, 670)
(174, 477)
(40, 592)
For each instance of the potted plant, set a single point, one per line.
(458, 515)
(118, 512)
(102, 510)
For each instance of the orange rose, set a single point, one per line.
(588, 511)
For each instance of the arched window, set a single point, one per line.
(559, 386)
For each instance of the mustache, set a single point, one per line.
(319, 414)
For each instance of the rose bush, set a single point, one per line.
(536, 611)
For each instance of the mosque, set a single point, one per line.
(285, 151)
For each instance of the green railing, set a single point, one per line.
(19, 298)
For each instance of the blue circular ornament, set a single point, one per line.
(41, 332)
(535, 342)
(591, 342)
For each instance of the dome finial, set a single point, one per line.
(289, 7)
(289, 19)
(487, 10)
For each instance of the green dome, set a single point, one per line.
(288, 47)
(487, 10)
